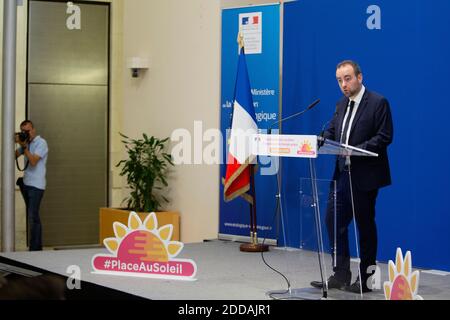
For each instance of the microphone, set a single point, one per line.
(320, 137)
(312, 105)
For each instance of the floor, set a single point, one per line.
(224, 273)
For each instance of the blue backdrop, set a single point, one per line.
(407, 61)
(263, 72)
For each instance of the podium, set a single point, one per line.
(308, 147)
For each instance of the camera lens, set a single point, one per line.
(23, 136)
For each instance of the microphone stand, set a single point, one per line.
(312, 105)
(279, 207)
(279, 201)
(254, 246)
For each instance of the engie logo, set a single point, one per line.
(144, 250)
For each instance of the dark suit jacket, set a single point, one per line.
(372, 130)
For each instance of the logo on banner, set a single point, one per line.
(144, 250)
(250, 25)
(306, 149)
(403, 284)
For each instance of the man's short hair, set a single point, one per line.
(25, 122)
(355, 66)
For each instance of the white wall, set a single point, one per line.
(182, 41)
(245, 3)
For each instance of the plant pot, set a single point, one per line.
(108, 216)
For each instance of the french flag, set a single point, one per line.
(243, 126)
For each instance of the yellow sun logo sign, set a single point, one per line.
(306, 148)
(143, 249)
(403, 284)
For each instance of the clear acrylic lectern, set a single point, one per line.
(306, 146)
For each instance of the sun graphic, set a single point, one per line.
(143, 241)
(306, 147)
(403, 284)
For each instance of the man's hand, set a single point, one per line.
(32, 158)
(23, 144)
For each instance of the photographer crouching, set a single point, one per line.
(35, 150)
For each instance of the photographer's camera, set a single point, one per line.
(23, 136)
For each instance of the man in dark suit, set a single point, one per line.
(362, 119)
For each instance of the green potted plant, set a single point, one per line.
(146, 170)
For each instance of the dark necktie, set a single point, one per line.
(344, 134)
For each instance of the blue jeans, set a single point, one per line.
(33, 197)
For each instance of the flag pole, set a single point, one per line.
(254, 246)
(252, 207)
(254, 235)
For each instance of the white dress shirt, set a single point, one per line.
(357, 100)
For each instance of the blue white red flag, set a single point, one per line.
(240, 157)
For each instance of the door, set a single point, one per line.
(67, 100)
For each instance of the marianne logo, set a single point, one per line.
(306, 149)
(403, 284)
(142, 249)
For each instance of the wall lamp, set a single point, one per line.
(136, 64)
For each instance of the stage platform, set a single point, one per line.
(224, 273)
